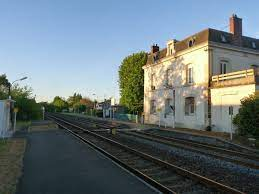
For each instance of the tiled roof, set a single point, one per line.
(203, 36)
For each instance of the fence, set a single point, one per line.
(125, 117)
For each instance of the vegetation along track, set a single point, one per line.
(166, 177)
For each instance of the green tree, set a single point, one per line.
(29, 109)
(24, 100)
(247, 119)
(74, 101)
(59, 104)
(4, 85)
(49, 107)
(131, 81)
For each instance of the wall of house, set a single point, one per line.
(238, 59)
(196, 57)
(221, 99)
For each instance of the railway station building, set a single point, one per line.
(199, 81)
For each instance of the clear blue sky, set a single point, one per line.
(67, 46)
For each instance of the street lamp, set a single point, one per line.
(10, 85)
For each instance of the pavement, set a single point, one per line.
(55, 162)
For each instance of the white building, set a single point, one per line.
(6, 124)
(201, 77)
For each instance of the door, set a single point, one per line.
(226, 102)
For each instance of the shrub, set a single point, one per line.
(247, 119)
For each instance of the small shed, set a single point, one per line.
(6, 118)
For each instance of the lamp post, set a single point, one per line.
(9, 94)
(11, 84)
(94, 102)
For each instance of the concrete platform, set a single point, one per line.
(56, 162)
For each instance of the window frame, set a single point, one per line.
(167, 77)
(223, 66)
(152, 106)
(168, 103)
(152, 81)
(189, 75)
(190, 108)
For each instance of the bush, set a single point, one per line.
(247, 119)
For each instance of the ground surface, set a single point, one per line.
(56, 162)
(11, 160)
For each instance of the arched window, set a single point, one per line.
(191, 42)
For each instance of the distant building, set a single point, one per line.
(201, 77)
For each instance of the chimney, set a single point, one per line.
(154, 49)
(235, 27)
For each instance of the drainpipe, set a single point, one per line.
(210, 69)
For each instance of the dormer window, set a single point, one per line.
(155, 57)
(223, 38)
(253, 45)
(191, 42)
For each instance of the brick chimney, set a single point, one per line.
(154, 49)
(235, 27)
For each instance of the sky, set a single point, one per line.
(66, 46)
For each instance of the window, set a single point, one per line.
(253, 45)
(223, 38)
(155, 57)
(189, 106)
(152, 106)
(223, 67)
(189, 75)
(191, 42)
(167, 77)
(152, 81)
(168, 104)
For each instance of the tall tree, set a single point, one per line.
(59, 104)
(74, 100)
(25, 101)
(131, 81)
(4, 85)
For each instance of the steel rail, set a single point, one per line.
(187, 146)
(179, 170)
(147, 179)
(216, 148)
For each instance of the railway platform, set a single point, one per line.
(56, 162)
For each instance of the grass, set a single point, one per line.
(2, 145)
(11, 161)
(22, 124)
(243, 140)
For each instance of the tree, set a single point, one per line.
(49, 107)
(131, 81)
(74, 101)
(59, 104)
(247, 119)
(23, 97)
(4, 85)
(87, 102)
(24, 100)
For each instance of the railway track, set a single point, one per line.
(241, 157)
(245, 159)
(164, 176)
